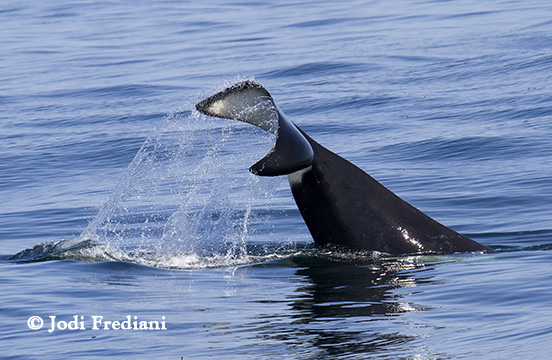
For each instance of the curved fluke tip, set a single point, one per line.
(248, 101)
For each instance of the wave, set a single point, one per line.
(466, 148)
(88, 248)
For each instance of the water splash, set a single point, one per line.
(185, 200)
(183, 194)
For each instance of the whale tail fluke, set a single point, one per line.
(248, 101)
(341, 204)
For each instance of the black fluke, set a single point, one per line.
(342, 205)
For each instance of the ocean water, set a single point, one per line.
(122, 202)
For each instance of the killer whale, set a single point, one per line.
(342, 205)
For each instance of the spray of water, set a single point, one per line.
(186, 200)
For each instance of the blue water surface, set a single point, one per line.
(126, 202)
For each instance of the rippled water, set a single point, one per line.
(125, 201)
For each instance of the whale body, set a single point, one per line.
(343, 206)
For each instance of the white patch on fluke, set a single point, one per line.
(252, 106)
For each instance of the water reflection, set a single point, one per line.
(372, 293)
